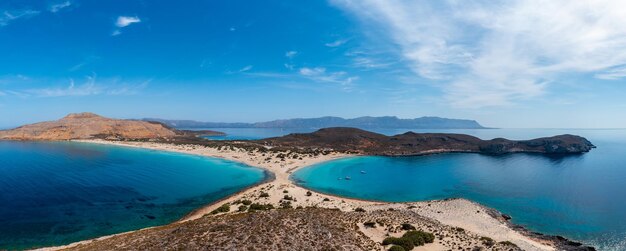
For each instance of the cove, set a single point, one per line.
(55, 193)
(580, 197)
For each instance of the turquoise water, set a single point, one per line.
(58, 193)
(581, 197)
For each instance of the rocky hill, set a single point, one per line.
(90, 126)
(410, 143)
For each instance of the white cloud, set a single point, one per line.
(123, 21)
(8, 16)
(116, 33)
(291, 54)
(242, 70)
(245, 68)
(319, 74)
(498, 52)
(337, 43)
(59, 6)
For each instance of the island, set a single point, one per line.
(280, 215)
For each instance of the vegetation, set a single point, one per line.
(264, 195)
(222, 209)
(410, 239)
(243, 208)
(308, 193)
(246, 202)
(419, 238)
(286, 204)
(487, 241)
(359, 209)
(405, 243)
(287, 197)
(407, 226)
(369, 224)
(260, 207)
(396, 248)
(507, 243)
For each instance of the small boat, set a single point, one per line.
(363, 172)
(347, 177)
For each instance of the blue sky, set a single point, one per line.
(503, 63)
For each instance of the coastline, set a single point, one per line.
(475, 218)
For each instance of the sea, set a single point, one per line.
(580, 197)
(55, 193)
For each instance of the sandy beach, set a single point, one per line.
(475, 220)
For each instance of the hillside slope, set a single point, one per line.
(89, 126)
(410, 143)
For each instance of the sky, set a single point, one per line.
(510, 63)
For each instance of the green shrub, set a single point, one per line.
(308, 193)
(246, 202)
(370, 224)
(359, 209)
(286, 204)
(222, 209)
(415, 237)
(407, 226)
(243, 208)
(419, 237)
(396, 248)
(326, 199)
(402, 242)
(287, 197)
(285, 191)
(257, 206)
(507, 243)
(264, 195)
(487, 241)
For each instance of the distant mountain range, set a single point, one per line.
(323, 122)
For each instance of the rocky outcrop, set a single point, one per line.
(89, 126)
(410, 143)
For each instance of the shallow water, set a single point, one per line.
(580, 197)
(54, 193)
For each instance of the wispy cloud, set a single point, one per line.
(291, 54)
(242, 70)
(486, 53)
(59, 6)
(337, 43)
(320, 74)
(123, 21)
(90, 87)
(7, 16)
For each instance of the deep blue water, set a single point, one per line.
(582, 197)
(58, 193)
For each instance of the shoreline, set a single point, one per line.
(452, 212)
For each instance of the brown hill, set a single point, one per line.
(410, 143)
(89, 126)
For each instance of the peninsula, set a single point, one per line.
(308, 219)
